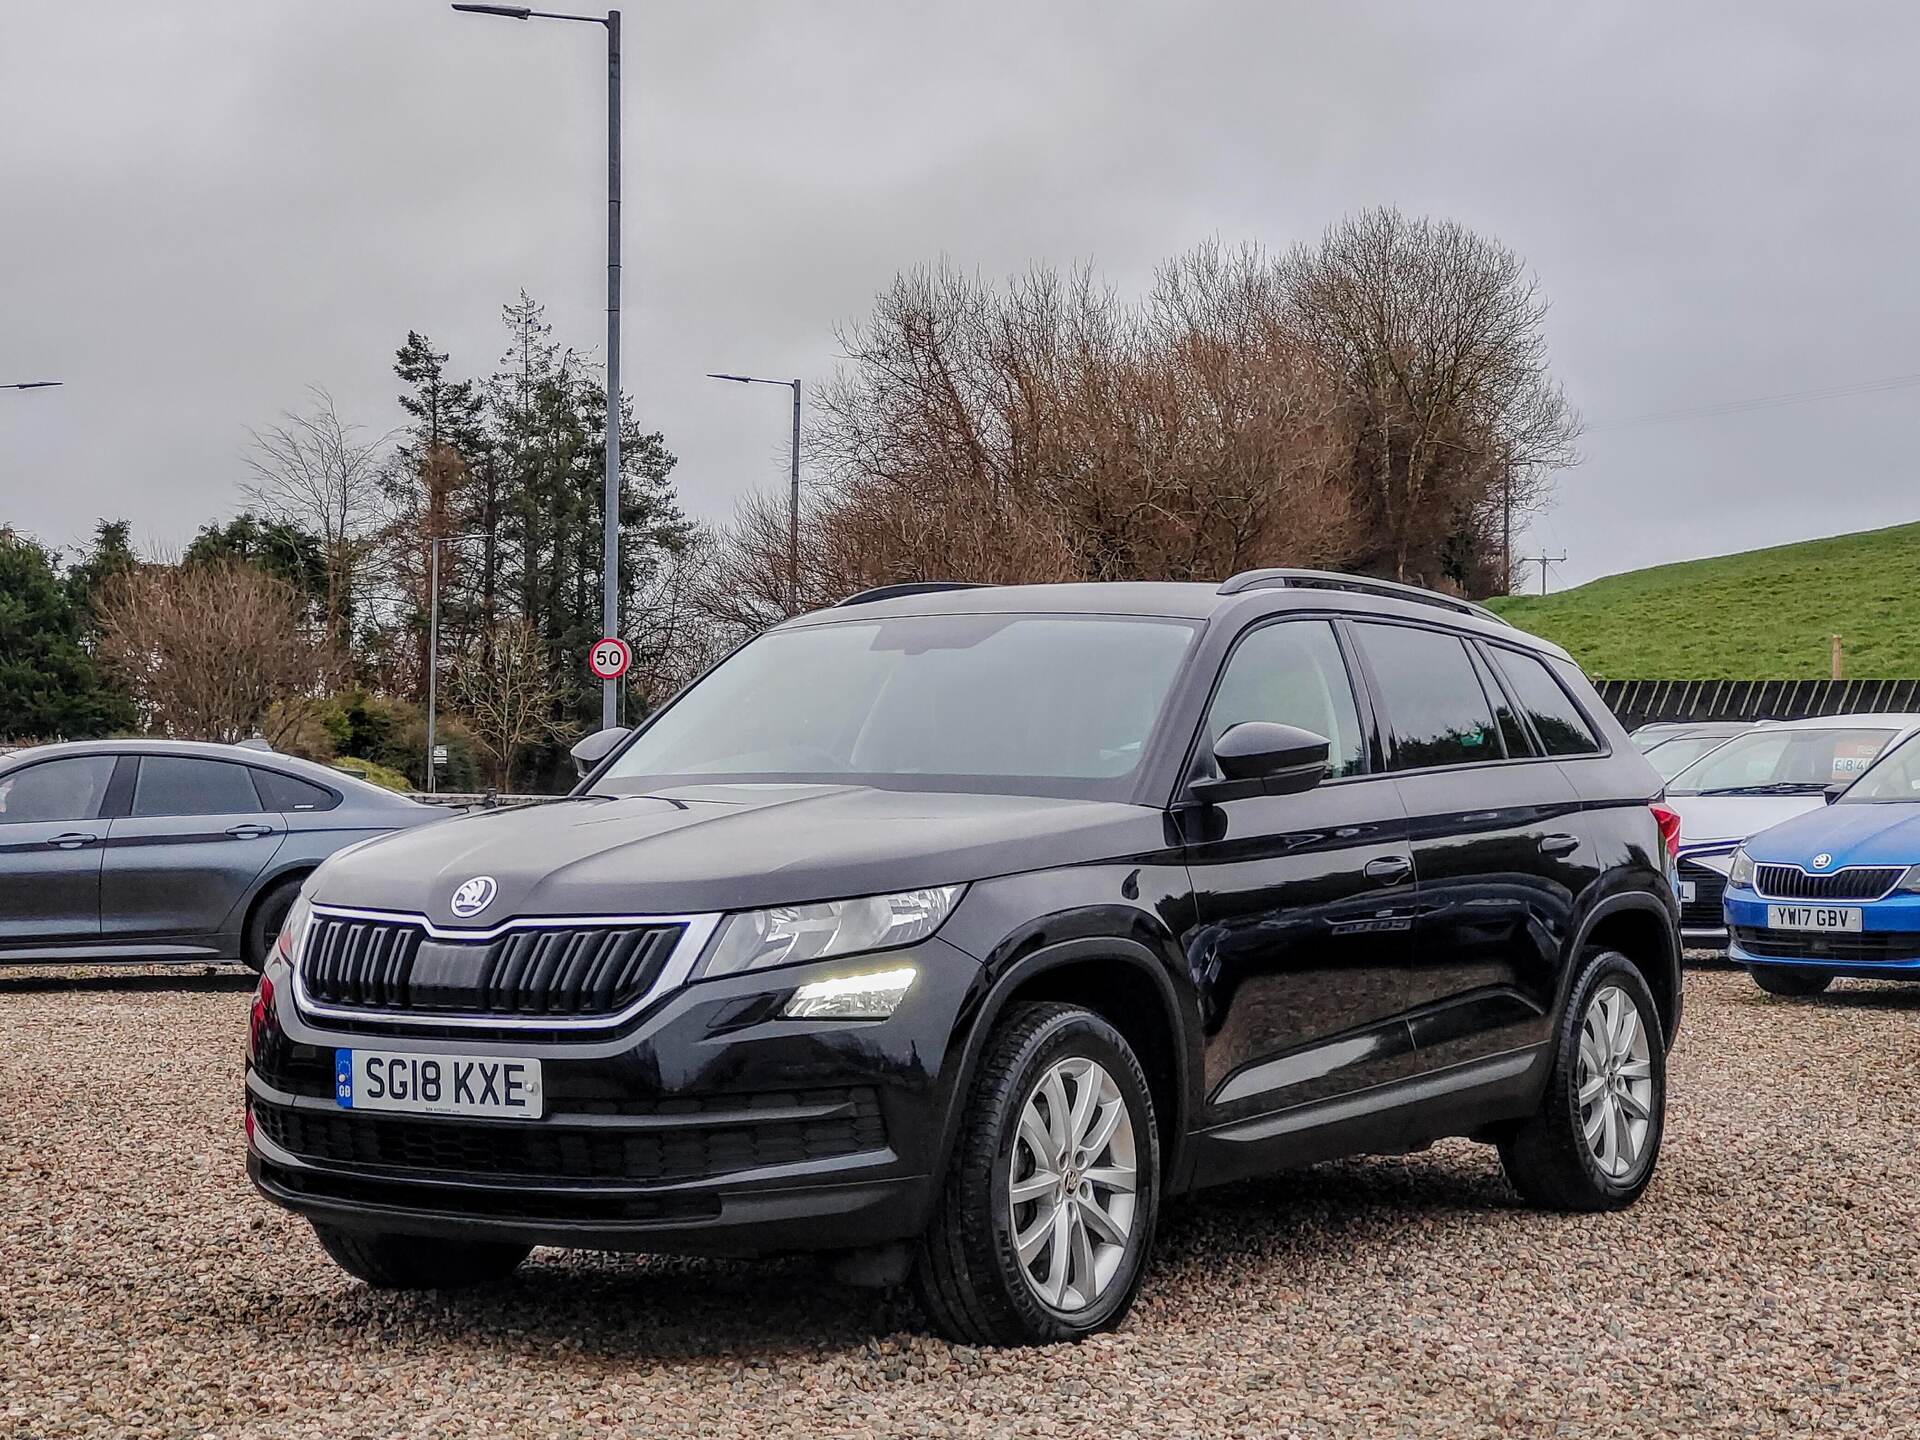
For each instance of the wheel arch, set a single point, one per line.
(1123, 981)
(1643, 930)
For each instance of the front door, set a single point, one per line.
(1304, 900)
(51, 839)
(195, 841)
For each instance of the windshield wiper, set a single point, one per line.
(1777, 787)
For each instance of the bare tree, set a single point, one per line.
(315, 471)
(1435, 338)
(506, 684)
(215, 651)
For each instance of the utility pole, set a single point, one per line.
(610, 553)
(1506, 525)
(1543, 561)
(793, 484)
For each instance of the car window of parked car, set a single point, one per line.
(1437, 712)
(1292, 673)
(1562, 729)
(284, 792)
(55, 790)
(185, 785)
(1895, 778)
(1783, 761)
(1033, 704)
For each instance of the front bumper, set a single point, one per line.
(704, 1125)
(1887, 944)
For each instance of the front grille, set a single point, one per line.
(1703, 912)
(563, 972)
(699, 1143)
(1867, 948)
(1855, 882)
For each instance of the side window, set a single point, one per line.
(184, 785)
(55, 790)
(1292, 673)
(1518, 742)
(1562, 729)
(1437, 712)
(284, 792)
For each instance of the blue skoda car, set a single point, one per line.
(1835, 891)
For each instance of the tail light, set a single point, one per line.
(1668, 819)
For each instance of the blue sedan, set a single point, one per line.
(1836, 891)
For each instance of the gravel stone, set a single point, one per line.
(1763, 1286)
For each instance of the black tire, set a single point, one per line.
(967, 1271)
(263, 925)
(418, 1262)
(1789, 980)
(1547, 1157)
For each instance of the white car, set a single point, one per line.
(1771, 773)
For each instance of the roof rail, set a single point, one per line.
(911, 587)
(1285, 579)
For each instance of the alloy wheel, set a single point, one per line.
(1615, 1083)
(1071, 1184)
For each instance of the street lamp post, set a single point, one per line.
(433, 646)
(610, 547)
(793, 489)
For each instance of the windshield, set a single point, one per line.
(1782, 762)
(1896, 777)
(1019, 704)
(1670, 757)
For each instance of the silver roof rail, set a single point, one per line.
(911, 587)
(1286, 579)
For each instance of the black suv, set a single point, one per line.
(955, 928)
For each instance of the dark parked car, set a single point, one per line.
(955, 928)
(156, 850)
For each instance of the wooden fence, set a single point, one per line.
(1640, 702)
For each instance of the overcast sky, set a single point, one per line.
(208, 205)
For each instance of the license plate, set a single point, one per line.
(437, 1084)
(1813, 917)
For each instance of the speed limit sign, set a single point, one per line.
(609, 658)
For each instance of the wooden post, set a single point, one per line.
(1839, 669)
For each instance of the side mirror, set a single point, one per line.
(1258, 757)
(1834, 791)
(596, 747)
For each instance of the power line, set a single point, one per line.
(1763, 402)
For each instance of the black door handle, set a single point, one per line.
(250, 832)
(1559, 844)
(72, 840)
(1389, 869)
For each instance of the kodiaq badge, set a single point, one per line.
(474, 896)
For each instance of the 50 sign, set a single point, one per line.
(609, 658)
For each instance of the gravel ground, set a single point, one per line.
(1764, 1285)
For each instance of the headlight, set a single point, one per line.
(1742, 872)
(791, 934)
(1910, 882)
(872, 996)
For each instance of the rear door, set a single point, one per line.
(51, 841)
(196, 839)
(1500, 848)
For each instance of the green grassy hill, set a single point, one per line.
(1760, 615)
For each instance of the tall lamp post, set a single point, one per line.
(433, 647)
(793, 491)
(610, 548)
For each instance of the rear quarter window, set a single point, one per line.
(1555, 716)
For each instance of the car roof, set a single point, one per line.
(1871, 720)
(1175, 599)
(210, 750)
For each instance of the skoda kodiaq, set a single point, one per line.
(955, 929)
